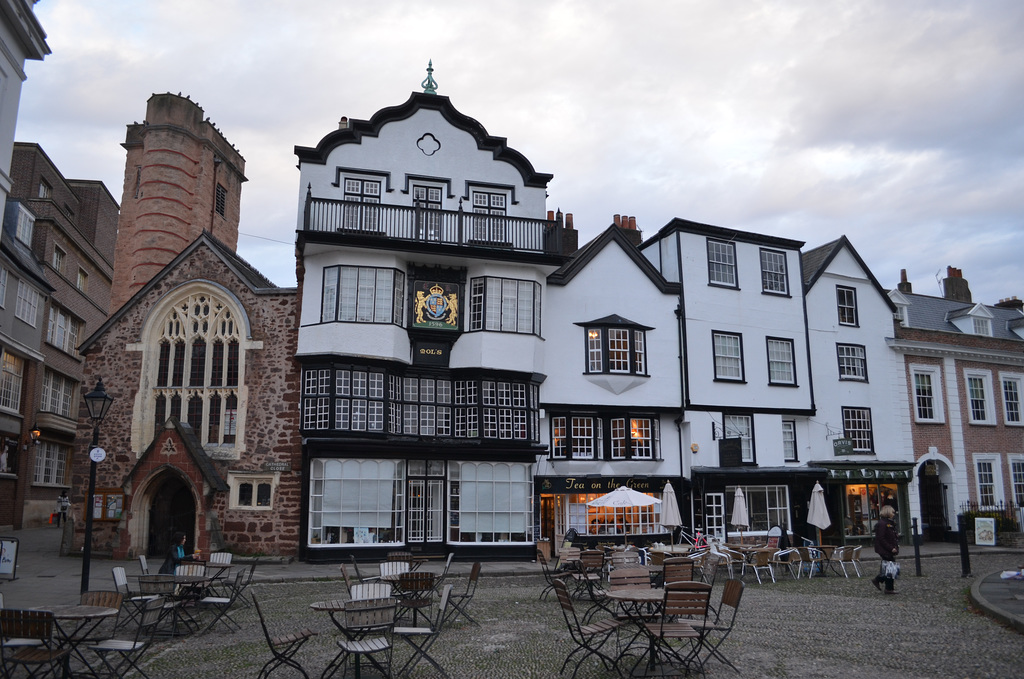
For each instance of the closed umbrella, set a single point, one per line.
(624, 498)
(740, 520)
(670, 517)
(817, 512)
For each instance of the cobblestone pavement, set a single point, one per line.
(824, 627)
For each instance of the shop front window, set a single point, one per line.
(490, 502)
(359, 502)
(610, 521)
(767, 506)
(863, 501)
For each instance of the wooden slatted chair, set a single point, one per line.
(120, 656)
(368, 626)
(460, 602)
(44, 657)
(415, 592)
(221, 605)
(682, 622)
(717, 630)
(283, 647)
(370, 590)
(132, 603)
(678, 569)
(106, 599)
(549, 575)
(422, 638)
(588, 639)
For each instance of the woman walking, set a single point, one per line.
(887, 546)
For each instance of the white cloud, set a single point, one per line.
(897, 124)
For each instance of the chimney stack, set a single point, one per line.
(1011, 303)
(343, 123)
(955, 287)
(904, 285)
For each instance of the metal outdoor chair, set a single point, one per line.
(761, 563)
(46, 656)
(282, 647)
(422, 638)
(415, 592)
(143, 564)
(12, 642)
(370, 590)
(460, 602)
(120, 656)
(813, 560)
(132, 603)
(359, 576)
(106, 599)
(588, 639)
(788, 560)
(850, 557)
(221, 605)
(683, 619)
(715, 631)
(549, 576)
(367, 625)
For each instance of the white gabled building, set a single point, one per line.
(611, 398)
(424, 245)
(859, 435)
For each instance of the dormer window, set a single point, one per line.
(616, 346)
(983, 326)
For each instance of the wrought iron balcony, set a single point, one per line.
(424, 225)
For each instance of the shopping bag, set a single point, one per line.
(890, 569)
(53, 518)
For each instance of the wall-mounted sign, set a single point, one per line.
(600, 484)
(277, 466)
(842, 446)
(436, 306)
(431, 353)
(730, 452)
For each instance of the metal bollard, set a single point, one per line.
(917, 546)
(965, 558)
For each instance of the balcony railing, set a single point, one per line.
(424, 225)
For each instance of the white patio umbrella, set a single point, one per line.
(740, 519)
(817, 512)
(623, 498)
(670, 517)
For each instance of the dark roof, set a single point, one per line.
(614, 320)
(195, 450)
(723, 233)
(357, 129)
(933, 313)
(20, 253)
(613, 234)
(256, 281)
(814, 262)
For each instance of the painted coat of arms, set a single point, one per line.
(437, 306)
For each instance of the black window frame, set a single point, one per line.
(846, 410)
(840, 306)
(839, 362)
(742, 379)
(792, 354)
(712, 263)
(784, 274)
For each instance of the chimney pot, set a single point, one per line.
(551, 215)
(568, 220)
(632, 223)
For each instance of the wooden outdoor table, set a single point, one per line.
(74, 623)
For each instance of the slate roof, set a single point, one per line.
(933, 313)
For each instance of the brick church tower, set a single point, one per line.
(182, 177)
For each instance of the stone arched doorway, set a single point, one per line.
(934, 480)
(168, 506)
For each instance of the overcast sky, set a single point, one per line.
(898, 124)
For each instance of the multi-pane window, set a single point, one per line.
(504, 305)
(198, 368)
(82, 282)
(857, 428)
(722, 263)
(633, 438)
(493, 228)
(789, 441)
(728, 350)
(846, 303)
(58, 259)
(58, 391)
(363, 400)
(1017, 480)
(773, 272)
(1011, 400)
(986, 482)
(63, 329)
(616, 350)
(51, 463)
(781, 365)
(429, 198)
(10, 384)
(360, 217)
(26, 222)
(221, 201)
(767, 506)
(924, 396)
(356, 501)
(27, 307)
(45, 190)
(853, 364)
(741, 427)
(252, 492)
(978, 398)
(490, 502)
(363, 294)
(982, 326)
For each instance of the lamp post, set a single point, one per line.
(98, 402)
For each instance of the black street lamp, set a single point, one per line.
(98, 402)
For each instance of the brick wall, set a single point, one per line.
(271, 433)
